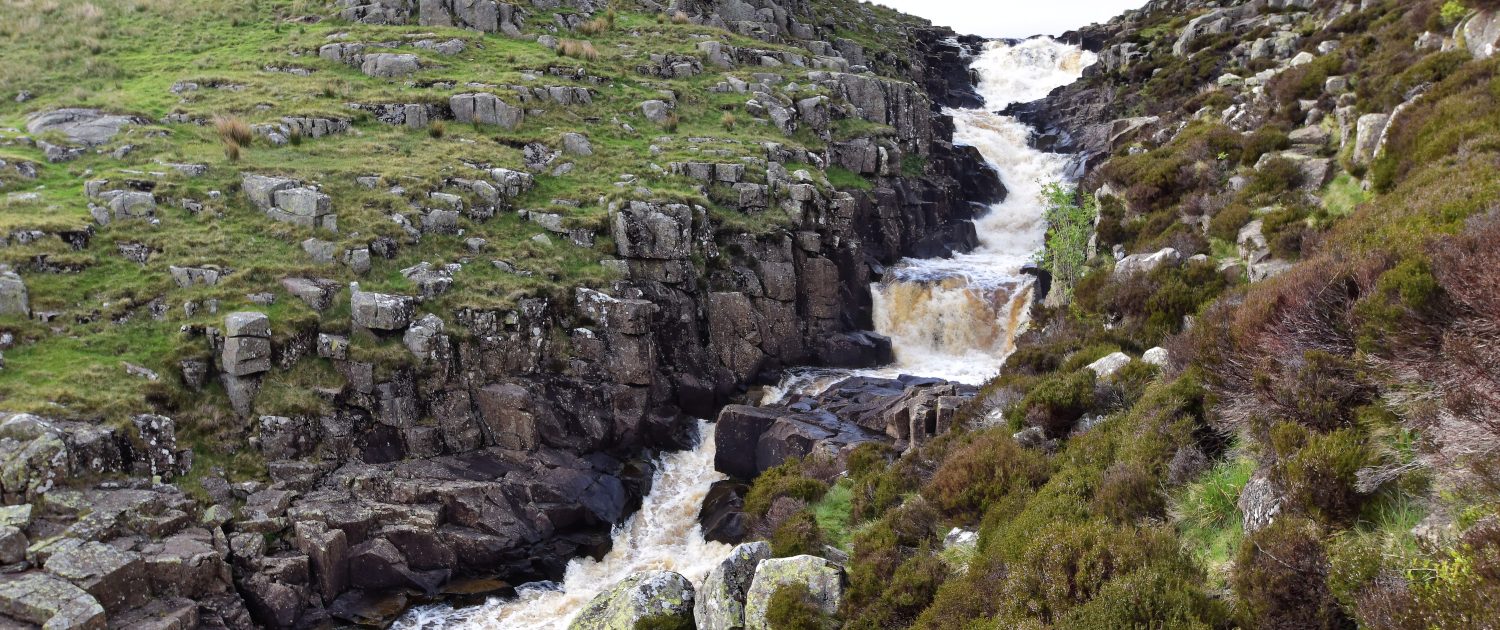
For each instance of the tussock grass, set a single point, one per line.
(1208, 515)
(578, 49)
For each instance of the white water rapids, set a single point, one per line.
(663, 535)
(957, 318)
(949, 318)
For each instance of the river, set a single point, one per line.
(954, 318)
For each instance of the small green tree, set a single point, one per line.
(1452, 12)
(1069, 226)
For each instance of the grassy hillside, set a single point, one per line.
(196, 74)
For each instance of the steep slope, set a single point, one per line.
(1265, 404)
(565, 230)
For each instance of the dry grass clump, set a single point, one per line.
(437, 129)
(232, 128)
(596, 26)
(728, 121)
(234, 133)
(680, 17)
(577, 49)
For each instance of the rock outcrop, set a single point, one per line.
(656, 597)
(720, 602)
(904, 412)
(822, 580)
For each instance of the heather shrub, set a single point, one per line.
(1319, 471)
(792, 607)
(785, 480)
(797, 535)
(1281, 578)
(1278, 175)
(1262, 141)
(1402, 297)
(873, 494)
(1150, 179)
(1227, 223)
(1127, 493)
(1072, 563)
(986, 467)
(880, 548)
(908, 592)
(1321, 390)
(1058, 401)
(1283, 229)
(868, 458)
(1160, 595)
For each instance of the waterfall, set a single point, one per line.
(663, 535)
(957, 318)
(951, 318)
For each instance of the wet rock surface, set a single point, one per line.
(903, 412)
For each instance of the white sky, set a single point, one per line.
(1013, 18)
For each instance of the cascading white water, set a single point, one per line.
(950, 318)
(957, 318)
(663, 535)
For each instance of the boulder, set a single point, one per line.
(317, 293)
(1157, 356)
(50, 602)
(577, 144)
(1481, 32)
(1369, 129)
(720, 602)
(14, 298)
(116, 578)
(379, 311)
(247, 324)
(1107, 366)
(656, 111)
(390, 65)
(505, 410)
(1259, 503)
(89, 127)
(722, 515)
(485, 109)
(131, 204)
(643, 597)
(654, 231)
(1251, 242)
(13, 544)
(424, 336)
(173, 613)
(1146, 263)
(328, 556)
(247, 348)
(262, 189)
(823, 580)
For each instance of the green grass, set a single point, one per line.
(1208, 517)
(832, 513)
(1343, 195)
(845, 179)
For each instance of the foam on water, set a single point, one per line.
(663, 535)
(957, 318)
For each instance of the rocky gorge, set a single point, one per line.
(505, 441)
(745, 314)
